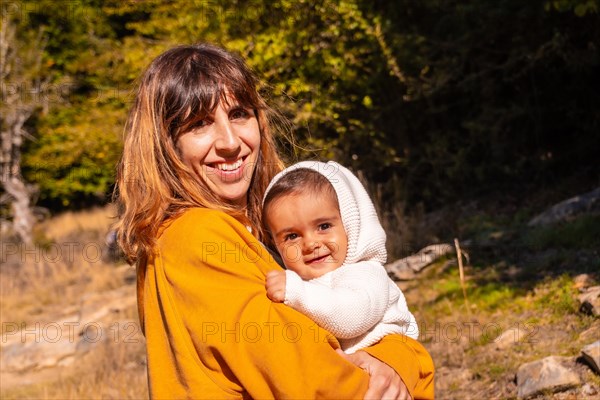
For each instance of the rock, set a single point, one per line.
(97, 310)
(41, 352)
(570, 208)
(583, 281)
(590, 301)
(547, 375)
(591, 354)
(56, 343)
(401, 273)
(592, 333)
(406, 268)
(588, 390)
(509, 338)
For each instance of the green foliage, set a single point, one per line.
(557, 296)
(581, 233)
(74, 157)
(492, 296)
(447, 99)
(579, 7)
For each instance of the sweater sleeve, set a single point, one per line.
(356, 302)
(214, 273)
(410, 360)
(210, 275)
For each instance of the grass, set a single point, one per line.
(111, 371)
(46, 283)
(583, 232)
(557, 295)
(520, 279)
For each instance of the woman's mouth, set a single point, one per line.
(229, 171)
(229, 166)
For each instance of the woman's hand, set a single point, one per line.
(384, 383)
(275, 285)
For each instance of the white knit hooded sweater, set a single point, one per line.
(357, 302)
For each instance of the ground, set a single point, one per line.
(519, 304)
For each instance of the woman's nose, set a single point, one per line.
(227, 139)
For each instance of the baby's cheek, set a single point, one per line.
(291, 253)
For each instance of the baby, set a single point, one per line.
(325, 227)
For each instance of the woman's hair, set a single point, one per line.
(181, 87)
(301, 180)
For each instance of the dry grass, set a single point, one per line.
(47, 283)
(110, 371)
(96, 221)
(470, 364)
(505, 293)
(526, 292)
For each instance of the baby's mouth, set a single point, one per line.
(318, 260)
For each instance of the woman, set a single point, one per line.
(198, 156)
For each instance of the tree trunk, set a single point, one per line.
(20, 67)
(23, 218)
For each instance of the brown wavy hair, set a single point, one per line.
(180, 87)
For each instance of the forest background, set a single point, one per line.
(464, 118)
(433, 101)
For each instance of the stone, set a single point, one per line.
(591, 354)
(57, 343)
(583, 281)
(547, 375)
(588, 389)
(401, 272)
(592, 333)
(509, 337)
(37, 354)
(590, 301)
(100, 309)
(406, 268)
(587, 203)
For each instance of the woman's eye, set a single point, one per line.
(239, 113)
(200, 124)
(324, 226)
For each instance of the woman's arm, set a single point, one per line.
(211, 282)
(410, 360)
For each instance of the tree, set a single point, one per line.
(22, 76)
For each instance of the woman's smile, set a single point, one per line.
(229, 166)
(229, 171)
(223, 151)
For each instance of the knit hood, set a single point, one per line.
(366, 237)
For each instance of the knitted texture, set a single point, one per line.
(357, 302)
(366, 237)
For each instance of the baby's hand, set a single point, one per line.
(275, 285)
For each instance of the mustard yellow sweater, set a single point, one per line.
(212, 333)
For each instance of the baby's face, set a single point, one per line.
(308, 232)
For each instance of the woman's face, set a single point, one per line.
(223, 150)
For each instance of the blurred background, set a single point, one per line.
(465, 119)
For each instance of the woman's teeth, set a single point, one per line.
(229, 167)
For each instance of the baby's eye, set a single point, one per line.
(324, 226)
(290, 236)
